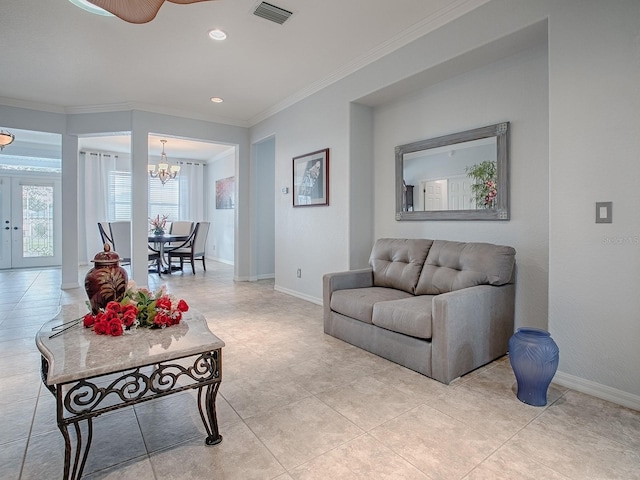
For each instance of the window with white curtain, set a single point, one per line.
(182, 198)
(119, 192)
(163, 199)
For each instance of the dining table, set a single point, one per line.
(160, 243)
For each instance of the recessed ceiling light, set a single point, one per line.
(217, 34)
(90, 7)
(216, 100)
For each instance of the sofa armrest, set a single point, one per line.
(341, 281)
(471, 327)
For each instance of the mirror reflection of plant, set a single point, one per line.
(485, 186)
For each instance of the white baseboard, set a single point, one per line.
(70, 286)
(597, 390)
(221, 260)
(293, 293)
(254, 278)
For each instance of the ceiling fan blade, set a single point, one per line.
(185, 2)
(140, 11)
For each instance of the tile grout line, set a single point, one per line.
(33, 418)
(511, 437)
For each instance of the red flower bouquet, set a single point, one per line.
(138, 308)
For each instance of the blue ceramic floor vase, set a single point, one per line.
(534, 359)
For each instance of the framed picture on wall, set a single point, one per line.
(311, 179)
(225, 193)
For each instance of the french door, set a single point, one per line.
(30, 233)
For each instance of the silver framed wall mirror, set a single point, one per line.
(462, 176)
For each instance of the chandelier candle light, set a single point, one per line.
(164, 172)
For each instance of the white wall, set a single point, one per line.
(220, 242)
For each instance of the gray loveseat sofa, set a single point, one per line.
(438, 307)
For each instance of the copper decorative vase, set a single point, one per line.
(106, 281)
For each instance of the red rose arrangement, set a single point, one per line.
(138, 308)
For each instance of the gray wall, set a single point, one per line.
(221, 239)
(264, 191)
(586, 154)
(574, 108)
(594, 143)
(140, 124)
(448, 107)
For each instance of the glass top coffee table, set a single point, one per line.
(93, 374)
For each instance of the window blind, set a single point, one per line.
(163, 199)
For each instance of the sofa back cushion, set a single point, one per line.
(397, 262)
(452, 266)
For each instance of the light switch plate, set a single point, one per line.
(604, 212)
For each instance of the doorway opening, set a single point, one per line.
(30, 201)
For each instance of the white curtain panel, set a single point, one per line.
(94, 191)
(191, 179)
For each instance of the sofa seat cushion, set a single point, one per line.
(358, 302)
(409, 316)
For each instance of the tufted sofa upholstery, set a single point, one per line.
(438, 307)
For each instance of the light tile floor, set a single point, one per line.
(297, 404)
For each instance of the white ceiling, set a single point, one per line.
(58, 57)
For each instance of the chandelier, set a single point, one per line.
(6, 138)
(164, 172)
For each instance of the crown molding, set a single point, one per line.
(427, 25)
(43, 107)
(120, 107)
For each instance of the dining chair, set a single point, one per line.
(181, 227)
(121, 242)
(121, 239)
(193, 248)
(106, 238)
(154, 257)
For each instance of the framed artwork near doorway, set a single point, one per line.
(311, 179)
(225, 193)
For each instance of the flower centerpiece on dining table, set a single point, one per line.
(158, 224)
(139, 308)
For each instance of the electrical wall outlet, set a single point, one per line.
(299, 273)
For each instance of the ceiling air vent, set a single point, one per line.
(273, 13)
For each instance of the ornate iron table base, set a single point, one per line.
(84, 399)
